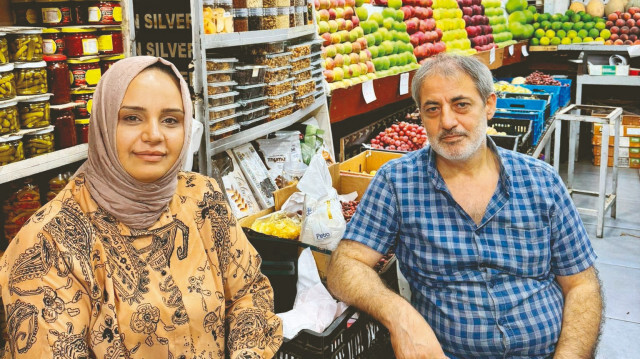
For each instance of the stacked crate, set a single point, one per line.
(629, 152)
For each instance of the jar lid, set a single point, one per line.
(50, 31)
(77, 29)
(52, 58)
(30, 65)
(41, 132)
(37, 98)
(6, 67)
(10, 138)
(83, 91)
(29, 32)
(112, 58)
(8, 103)
(85, 61)
(82, 121)
(111, 28)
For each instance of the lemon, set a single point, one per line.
(545, 41)
(539, 33)
(576, 40)
(565, 41)
(572, 33)
(588, 39)
(550, 34)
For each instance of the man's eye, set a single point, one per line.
(463, 104)
(431, 109)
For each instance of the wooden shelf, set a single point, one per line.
(31, 166)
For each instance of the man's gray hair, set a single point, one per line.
(451, 66)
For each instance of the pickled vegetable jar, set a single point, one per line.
(52, 42)
(9, 117)
(7, 82)
(80, 41)
(11, 149)
(83, 97)
(65, 130)
(39, 143)
(31, 78)
(55, 12)
(19, 207)
(58, 79)
(25, 12)
(84, 72)
(110, 41)
(34, 112)
(104, 13)
(4, 49)
(26, 46)
(106, 62)
(82, 129)
(56, 184)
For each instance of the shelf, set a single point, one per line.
(255, 37)
(31, 166)
(599, 47)
(609, 80)
(264, 129)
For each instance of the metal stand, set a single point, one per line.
(573, 113)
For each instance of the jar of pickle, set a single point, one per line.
(84, 72)
(104, 13)
(11, 149)
(55, 12)
(25, 13)
(26, 46)
(80, 41)
(4, 49)
(7, 82)
(106, 62)
(82, 130)
(110, 41)
(19, 207)
(9, 117)
(84, 99)
(38, 143)
(58, 79)
(52, 42)
(240, 20)
(65, 128)
(56, 184)
(31, 78)
(269, 18)
(34, 112)
(282, 19)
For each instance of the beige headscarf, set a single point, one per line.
(134, 203)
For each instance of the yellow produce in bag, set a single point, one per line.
(279, 224)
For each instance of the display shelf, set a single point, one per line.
(215, 41)
(581, 47)
(31, 166)
(264, 129)
(609, 80)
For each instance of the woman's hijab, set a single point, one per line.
(136, 204)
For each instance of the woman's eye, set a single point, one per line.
(170, 121)
(131, 119)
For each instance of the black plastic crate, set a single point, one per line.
(519, 133)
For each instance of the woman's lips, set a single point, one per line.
(150, 156)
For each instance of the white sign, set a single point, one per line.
(404, 83)
(525, 53)
(368, 92)
(511, 50)
(492, 55)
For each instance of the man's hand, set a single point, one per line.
(413, 338)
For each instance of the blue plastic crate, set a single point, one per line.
(565, 93)
(523, 109)
(555, 95)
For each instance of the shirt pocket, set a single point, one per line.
(528, 251)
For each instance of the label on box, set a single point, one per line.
(368, 92)
(492, 55)
(511, 50)
(404, 83)
(633, 131)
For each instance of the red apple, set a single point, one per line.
(608, 24)
(467, 11)
(439, 32)
(431, 24)
(635, 31)
(467, 20)
(355, 20)
(614, 29)
(633, 37)
(631, 23)
(348, 12)
(624, 37)
(328, 75)
(609, 42)
(614, 37)
(327, 39)
(620, 23)
(628, 42)
(612, 17)
(414, 39)
(626, 16)
(618, 42)
(624, 30)
(636, 16)
(633, 10)
(332, 14)
(412, 26)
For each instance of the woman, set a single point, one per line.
(135, 258)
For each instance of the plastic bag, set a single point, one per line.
(283, 157)
(279, 224)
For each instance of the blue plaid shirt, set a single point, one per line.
(487, 290)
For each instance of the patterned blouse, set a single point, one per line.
(77, 283)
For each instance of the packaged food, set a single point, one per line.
(239, 4)
(220, 76)
(106, 62)
(279, 224)
(104, 13)
(85, 72)
(34, 112)
(4, 49)
(279, 152)
(248, 92)
(222, 99)
(240, 19)
(26, 13)
(280, 87)
(252, 103)
(281, 100)
(223, 122)
(222, 111)
(274, 60)
(38, 143)
(282, 19)
(9, 117)
(19, 207)
(263, 49)
(304, 88)
(56, 184)
(7, 82)
(58, 79)
(292, 16)
(238, 191)
(26, 46)
(301, 63)
(52, 42)
(250, 74)
(245, 125)
(217, 16)
(281, 112)
(269, 3)
(252, 114)
(256, 174)
(300, 13)
(10, 149)
(302, 75)
(82, 130)
(316, 45)
(83, 97)
(31, 78)
(79, 41)
(65, 127)
(223, 133)
(220, 87)
(221, 64)
(110, 41)
(305, 101)
(56, 12)
(255, 18)
(276, 74)
(299, 50)
(253, 4)
(269, 17)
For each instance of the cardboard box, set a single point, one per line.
(631, 120)
(596, 140)
(623, 162)
(608, 70)
(625, 130)
(367, 161)
(631, 152)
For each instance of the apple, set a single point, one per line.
(633, 10)
(341, 24)
(618, 42)
(637, 42)
(634, 31)
(335, 38)
(467, 11)
(324, 15)
(614, 30)
(348, 12)
(608, 42)
(414, 39)
(328, 75)
(356, 21)
(339, 13)
(620, 22)
(609, 24)
(439, 32)
(467, 20)
(624, 37)
(370, 67)
(633, 37)
(626, 16)
(413, 25)
(612, 17)
(355, 58)
(636, 16)
(327, 39)
(348, 25)
(356, 47)
(614, 37)
(624, 30)
(631, 23)
(316, 4)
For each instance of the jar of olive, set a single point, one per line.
(7, 82)
(39, 143)
(31, 78)
(11, 149)
(34, 112)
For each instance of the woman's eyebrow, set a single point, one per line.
(164, 110)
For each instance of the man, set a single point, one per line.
(497, 258)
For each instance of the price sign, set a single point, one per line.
(511, 49)
(404, 83)
(368, 92)
(525, 53)
(492, 55)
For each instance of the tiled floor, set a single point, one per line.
(618, 261)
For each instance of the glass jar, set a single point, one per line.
(239, 4)
(11, 149)
(83, 97)
(38, 143)
(4, 49)
(269, 18)
(110, 41)
(84, 72)
(292, 16)
(7, 82)
(217, 16)
(34, 112)
(65, 128)
(9, 117)
(55, 12)
(26, 46)
(52, 42)
(80, 41)
(58, 79)
(282, 19)
(19, 207)
(56, 184)
(25, 13)
(79, 11)
(300, 15)
(255, 19)
(240, 20)
(106, 62)
(31, 78)
(82, 130)
(104, 13)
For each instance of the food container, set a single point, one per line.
(26, 13)
(31, 78)
(104, 13)
(222, 99)
(304, 88)
(220, 87)
(277, 74)
(252, 103)
(292, 16)
(221, 64)
(278, 88)
(38, 143)
(239, 4)
(301, 15)
(223, 122)
(301, 63)
(249, 74)
(7, 82)
(240, 19)
(79, 11)
(263, 49)
(26, 46)
(34, 112)
(84, 72)
(305, 101)
(9, 117)
(11, 149)
(22, 202)
(106, 62)
(302, 75)
(82, 130)
(281, 100)
(281, 112)
(110, 41)
(55, 12)
(253, 123)
(250, 91)
(282, 20)
(254, 113)
(268, 3)
(220, 76)
(4, 49)
(255, 18)
(274, 60)
(80, 41)
(269, 18)
(299, 50)
(52, 42)
(58, 79)
(316, 45)
(254, 4)
(222, 111)
(65, 128)
(318, 93)
(225, 132)
(217, 16)
(83, 97)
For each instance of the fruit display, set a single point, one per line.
(349, 209)
(503, 86)
(539, 78)
(280, 224)
(392, 50)
(498, 22)
(402, 136)
(521, 19)
(568, 28)
(449, 19)
(477, 25)
(421, 26)
(623, 27)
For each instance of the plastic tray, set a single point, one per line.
(523, 109)
(253, 114)
(220, 87)
(221, 64)
(280, 87)
(248, 92)
(250, 74)
(302, 75)
(274, 60)
(222, 111)
(282, 111)
(281, 100)
(220, 76)
(222, 99)
(253, 103)
(225, 132)
(277, 74)
(253, 123)
(224, 122)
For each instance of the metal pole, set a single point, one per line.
(602, 186)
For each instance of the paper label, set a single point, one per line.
(368, 92)
(51, 15)
(511, 50)
(255, 72)
(89, 46)
(525, 53)
(92, 77)
(94, 14)
(492, 55)
(105, 43)
(117, 14)
(404, 83)
(633, 131)
(48, 46)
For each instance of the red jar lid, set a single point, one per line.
(50, 58)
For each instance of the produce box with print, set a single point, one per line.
(623, 162)
(367, 163)
(596, 140)
(236, 187)
(624, 152)
(625, 130)
(256, 174)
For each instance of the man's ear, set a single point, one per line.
(491, 106)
